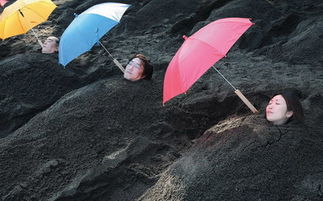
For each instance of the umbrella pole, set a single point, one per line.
(116, 62)
(39, 41)
(224, 78)
(23, 17)
(238, 92)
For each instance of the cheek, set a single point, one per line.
(51, 44)
(130, 69)
(280, 111)
(138, 72)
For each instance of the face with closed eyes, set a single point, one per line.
(50, 45)
(276, 110)
(134, 70)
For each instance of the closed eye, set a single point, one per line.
(136, 65)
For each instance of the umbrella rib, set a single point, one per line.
(223, 55)
(208, 45)
(4, 28)
(22, 26)
(35, 12)
(21, 23)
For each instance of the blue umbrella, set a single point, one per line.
(87, 29)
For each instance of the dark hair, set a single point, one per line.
(293, 104)
(56, 39)
(148, 68)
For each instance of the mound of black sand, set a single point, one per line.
(244, 158)
(30, 83)
(86, 127)
(84, 133)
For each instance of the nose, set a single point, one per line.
(130, 67)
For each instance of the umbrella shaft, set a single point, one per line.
(240, 95)
(105, 49)
(114, 60)
(224, 78)
(39, 41)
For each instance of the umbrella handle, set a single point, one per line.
(116, 62)
(246, 101)
(39, 41)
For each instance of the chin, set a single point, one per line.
(269, 118)
(129, 78)
(46, 51)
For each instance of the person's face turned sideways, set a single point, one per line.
(276, 110)
(49, 46)
(134, 70)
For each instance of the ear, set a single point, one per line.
(289, 114)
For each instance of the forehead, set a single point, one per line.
(279, 98)
(51, 39)
(137, 60)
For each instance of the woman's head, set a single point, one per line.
(283, 107)
(50, 45)
(138, 68)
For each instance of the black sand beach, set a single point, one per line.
(83, 133)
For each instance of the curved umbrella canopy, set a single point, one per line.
(201, 51)
(23, 15)
(87, 29)
(3, 2)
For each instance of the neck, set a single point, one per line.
(280, 122)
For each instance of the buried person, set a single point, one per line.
(50, 45)
(138, 68)
(283, 108)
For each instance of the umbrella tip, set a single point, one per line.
(250, 19)
(75, 15)
(185, 37)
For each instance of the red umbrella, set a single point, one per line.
(3, 2)
(201, 51)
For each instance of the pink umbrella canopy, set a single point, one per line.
(201, 51)
(3, 2)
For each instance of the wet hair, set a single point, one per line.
(148, 68)
(56, 40)
(293, 104)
